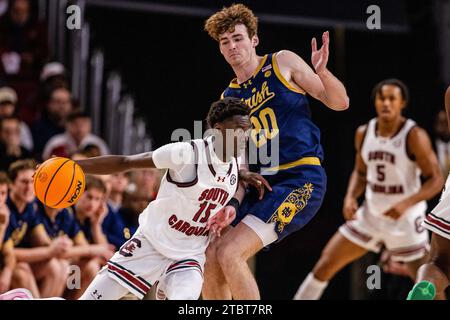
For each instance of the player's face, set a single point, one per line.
(236, 47)
(235, 133)
(90, 201)
(22, 187)
(3, 193)
(389, 103)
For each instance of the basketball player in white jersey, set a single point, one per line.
(169, 246)
(392, 152)
(434, 276)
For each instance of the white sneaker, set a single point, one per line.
(17, 294)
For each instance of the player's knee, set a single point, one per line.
(91, 268)
(227, 254)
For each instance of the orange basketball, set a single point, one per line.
(59, 182)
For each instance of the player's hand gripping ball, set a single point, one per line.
(59, 182)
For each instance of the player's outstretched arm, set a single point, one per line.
(321, 84)
(116, 163)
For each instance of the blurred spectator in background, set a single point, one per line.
(37, 257)
(133, 204)
(147, 180)
(53, 75)
(10, 148)
(7, 258)
(91, 210)
(62, 222)
(442, 141)
(77, 137)
(23, 51)
(119, 183)
(8, 100)
(53, 118)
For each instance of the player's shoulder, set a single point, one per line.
(417, 134)
(286, 57)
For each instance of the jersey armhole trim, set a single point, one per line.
(191, 183)
(280, 77)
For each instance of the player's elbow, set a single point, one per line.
(342, 104)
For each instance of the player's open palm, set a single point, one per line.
(319, 58)
(350, 207)
(221, 219)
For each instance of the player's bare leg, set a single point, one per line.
(51, 278)
(215, 286)
(89, 269)
(236, 247)
(23, 278)
(338, 253)
(436, 273)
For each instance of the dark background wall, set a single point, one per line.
(175, 71)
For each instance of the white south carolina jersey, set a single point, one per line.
(175, 222)
(391, 175)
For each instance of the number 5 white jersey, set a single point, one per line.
(391, 175)
(175, 222)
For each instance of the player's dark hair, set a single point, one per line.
(4, 178)
(20, 165)
(391, 82)
(95, 183)
(226, 108)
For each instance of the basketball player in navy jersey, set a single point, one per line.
(274, 87)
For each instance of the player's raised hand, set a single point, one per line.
(256, 180)
(350, 207)
(319, 58)
(221, 219)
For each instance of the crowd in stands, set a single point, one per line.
(38, 119)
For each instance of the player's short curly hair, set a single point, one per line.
(226, 108)
(391, 82)
(227, 18)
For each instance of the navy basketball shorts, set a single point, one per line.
(296, 196)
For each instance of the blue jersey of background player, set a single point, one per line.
(63, 224)
(274, 88)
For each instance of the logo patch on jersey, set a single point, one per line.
(268, 67)
(397, 143)
(267, 74)
(295, 202)
(220, 179)
(129, 247)
(233, 179)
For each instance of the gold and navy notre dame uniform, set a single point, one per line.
(22, 224)
(280, 115)
(64, 223)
